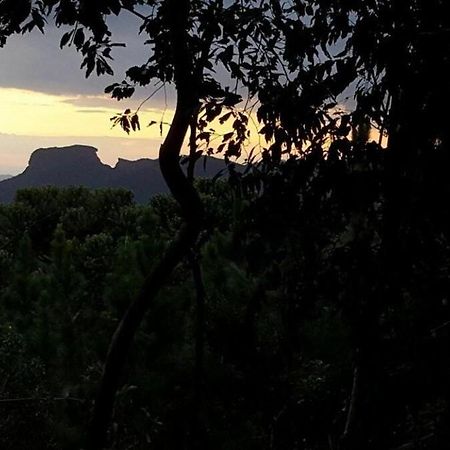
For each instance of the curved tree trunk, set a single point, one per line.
(189, 201)
(123, 337)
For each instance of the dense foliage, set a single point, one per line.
(291, 267)
(307, 306)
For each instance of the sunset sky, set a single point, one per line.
(45, 100)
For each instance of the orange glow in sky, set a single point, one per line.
(30, 120)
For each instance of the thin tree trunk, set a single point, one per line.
(351, 432)
(192, 147)
(189, 201)
(123, 337)
(198, 418)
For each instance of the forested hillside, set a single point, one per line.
(291, 268)
(79, 165)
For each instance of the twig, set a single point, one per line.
(137, 14)
(149, 97)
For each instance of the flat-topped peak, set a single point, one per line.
(79, 165)
(73, 154)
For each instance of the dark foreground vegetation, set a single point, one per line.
(286, 338)
(301, 306)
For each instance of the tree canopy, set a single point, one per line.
(336, 244)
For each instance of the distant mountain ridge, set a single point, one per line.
(79, 165)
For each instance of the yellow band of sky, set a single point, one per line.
(32, 113)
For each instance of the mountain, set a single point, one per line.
(79, 165)
(5, 177)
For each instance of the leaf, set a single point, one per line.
(78, 40)
(205, 136)
(225, 117)
(226, 56)
(65, 39)
(236, 71)
(135, 125)
(115, 7)
(90, 66)
(38, 20)
(125, 124)
(110, 88)
(227, 136)
(107, 53)
(231, 99)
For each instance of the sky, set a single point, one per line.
(45, 99)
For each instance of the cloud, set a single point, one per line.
(93, 111)
(22, 113)
(35, 61)
(46, 100)
(93, 101)
(106, 102)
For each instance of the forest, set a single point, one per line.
(299, 304)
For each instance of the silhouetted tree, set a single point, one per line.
(299, 59)
(185, 36)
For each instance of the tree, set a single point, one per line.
(397, 54)
(298, 58)
(185, 36)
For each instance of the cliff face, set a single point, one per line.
(65, 166)
(79, 165)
